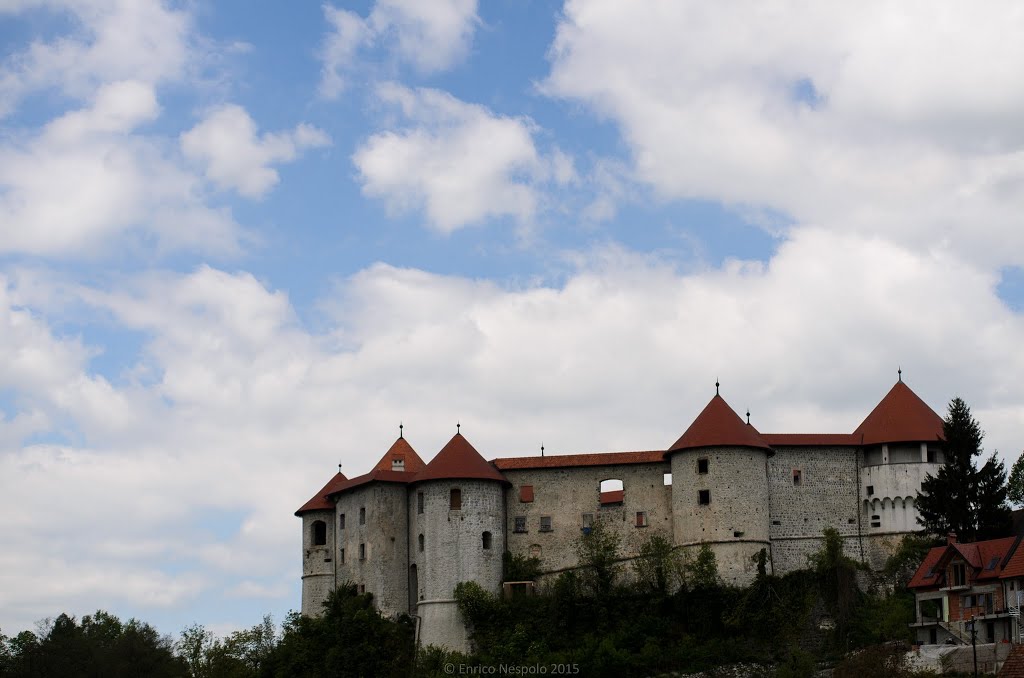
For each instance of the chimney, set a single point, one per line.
(951, 538)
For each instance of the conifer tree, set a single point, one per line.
(1015, 485)
(962, 498)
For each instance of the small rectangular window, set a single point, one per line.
(362, 552)
(702, 466)
(341, 556)
(545, 523)
(526, 494)
(931, 456)
(362, 516)
(398, 464)
(641, 518)
(455, 500)
(704, 497)
(797, 476)
(588, 521)
(737, 534)
(362, 588)
(666, 479)
(776, 522)
(520, 524)
(341, 521)
(419, 502)
(871, 490)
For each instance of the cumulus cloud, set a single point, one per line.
(245, 412)
(226, 142)
(431, 36)
(124, 40)
(459, 162)
(90, 176)
(897, 123)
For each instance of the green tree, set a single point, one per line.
(962, 498)
(658, 566)
(702, 571)
(598, 553)
(837, 574)
(1015, 485)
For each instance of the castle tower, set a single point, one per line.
(318, 538)
(901, 443)
(372, 519)
(720, 490)
(456, 534)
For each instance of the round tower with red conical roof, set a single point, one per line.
(318, 544)
(456, 534)
(720, 489)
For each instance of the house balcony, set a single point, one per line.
(956, 587)
(924, 622)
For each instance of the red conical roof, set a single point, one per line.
(459, 459)
(719, 426)
(400, 450)
(900, 417)
(319, 501)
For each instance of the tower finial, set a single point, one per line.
(458, 428)
(401, 430)
(748, 416)
(899, 372)
(542, 449)
(716, 386)
(339, 467)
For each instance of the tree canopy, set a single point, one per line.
(962, 498)
(1015, 485)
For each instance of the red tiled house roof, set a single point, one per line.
(901, 416)
(1013, 667)
(574, 460)
(811, 439)
(988, 560)
(928, 575)
(459, 460)
(402, 451)
(319, 501)
(719, 426)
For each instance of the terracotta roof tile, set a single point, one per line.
(613, 496)
(1013, 667)
(319, 501)
(811, 439)
(570, 460)
(459, 459)
(899, 417)
(373, 476)
(719, 426)
(400, 450)
(921, 578)
(1015, 567)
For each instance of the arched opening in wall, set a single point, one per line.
(319, 533)
(911, 513)
(455, 499)
(611, 492)
(485, 538)
(876, 513)
(420, 542)
(899, 516)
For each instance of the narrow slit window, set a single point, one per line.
(341, 521)
(455, 499)
(362, 515)
(419, 502)
(319, 533)
(362, 552)
(485, 538)
(341, 556)
(797, 476)
(421, 542)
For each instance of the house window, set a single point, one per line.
(398, 464)
(641, 518)
(341, 521)
(319, 533)
(588, 521)
(526, 494)
(455, 499)
(959, 577)
(362, 515)
(341, 556)
(362, 552)
(702, 466)
(520, 524)
(420, 541)
(876, 521)
(797, 476)
(545, 523)
(419, 502)
(486, 539)
(704, 497)
(362, 588)
(968, 601)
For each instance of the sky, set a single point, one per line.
(241, 242)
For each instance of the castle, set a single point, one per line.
(409, 531)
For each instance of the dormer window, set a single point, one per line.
(398, 464)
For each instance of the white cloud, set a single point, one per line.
(459, 162)
(896, 121)
(89, 177)
(225, 141)
(245, 412)
(430, 36)
(123, 40)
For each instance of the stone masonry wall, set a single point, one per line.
(826, 496)
(317, 563)
(566, 494)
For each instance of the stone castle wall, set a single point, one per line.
(317, 562)
(565, 495)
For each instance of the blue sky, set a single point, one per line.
(239, 243)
